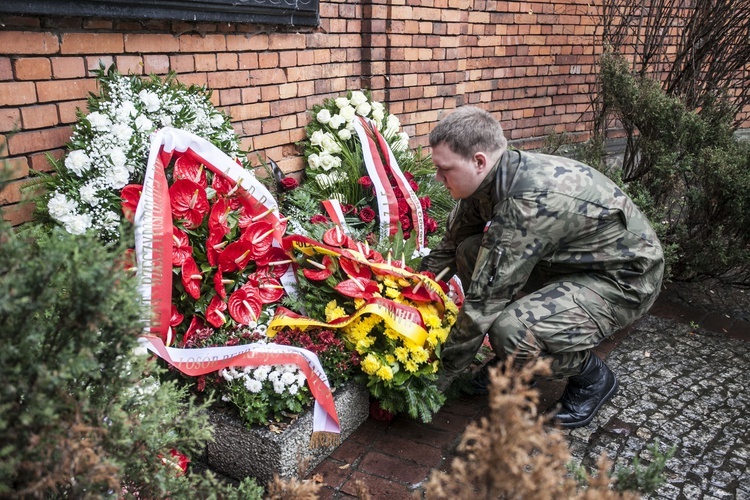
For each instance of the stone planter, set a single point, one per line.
(238, 452)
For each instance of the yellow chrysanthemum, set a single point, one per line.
(389, 282)
(370, 364)
(385, 373)
(432, 339)
(420, 355)
(432, 320)
(363, 345)
(390, 359)
(392, 293)
(410, 366)
(391, 333)
(401, 353)
(359, 303)
(404, 283)
(333, 311)
(435, 366)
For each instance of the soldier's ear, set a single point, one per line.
(481, 161)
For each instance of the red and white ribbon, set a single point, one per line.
(375, 150)
(336, 213)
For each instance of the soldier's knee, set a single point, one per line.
(509, 336)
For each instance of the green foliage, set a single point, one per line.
(645, 480)
(82, 413)
(687, 171)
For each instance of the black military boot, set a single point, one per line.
(586, 393)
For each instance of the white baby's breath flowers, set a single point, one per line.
(110, 147)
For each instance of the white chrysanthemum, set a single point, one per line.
(341, 102)
(261, 373)
(150, 100)
(166, 120)
(301, 378)
(143, 124)
(344, 134)
(293, 389)
(279, 387)
(78, 223)
(336, 121)
(288, 378)
(328, 161)
(348, 113)
(253, 386)
(274, 376)
(364, 109)
(216, 120)
(358, 97)
(323, 116)
(61, 208)
(89, 194)
(99, 121)
(78, 162)
(329, 144)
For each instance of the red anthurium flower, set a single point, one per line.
(182, 460)
(214, 312)
(245, 306)
(335, 237)
(189, 202)
(215, 244)
(220, 284)
(186, 167)
(269, 289)
(319, 272)
(358, 288)
(235, 256)
(191, 278)
(130, 195)
(176, 318)
(354, 269)
(218, 220)
(276, 259)
(420, 294)
(222, 185)
(181, 248)
(260, 237)
(195, 324)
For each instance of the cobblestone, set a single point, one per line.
(680, 386)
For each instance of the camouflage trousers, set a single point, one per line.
(560, 318)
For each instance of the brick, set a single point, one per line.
(33, 68)
(271, 76)
(93, 62)
(266, 141)
(10, 119)
(6, 69)
(182, 63)
(228, 79)
(28, 42)
(155, 64)
(286, 41)
(13, 93)
(40, 161)
(39, 116)
(66, 111)
(268, 60)
(38, 140)
(12, 192)
(197, 43)
(18, 214)
(151, 43)
(18, 167)
(92, 43)
(129, 65)
(227, 61)
(65, 90)
(251, 41)
(68, 67)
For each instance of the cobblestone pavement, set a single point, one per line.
(684, 387)
(684, 371)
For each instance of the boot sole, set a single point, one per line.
(607, 397)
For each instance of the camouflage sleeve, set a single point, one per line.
(462, 222)
(508, 254)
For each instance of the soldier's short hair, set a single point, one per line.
(469, 130)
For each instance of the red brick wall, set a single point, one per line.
(527, 62)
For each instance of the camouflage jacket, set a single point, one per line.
(554, 214)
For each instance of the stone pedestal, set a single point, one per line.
(238, 452)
